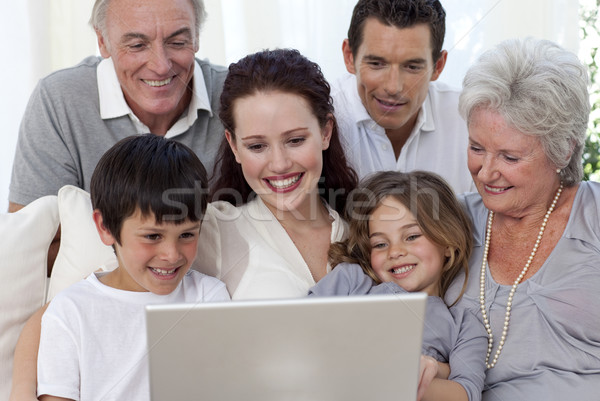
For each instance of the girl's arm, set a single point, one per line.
(428, 370)
(467, 364)
(443, 370)
(344, 279)
(24, 379)
(433, 383)
(447, 390)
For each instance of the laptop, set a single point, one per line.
(310, 349)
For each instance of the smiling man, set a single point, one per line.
(392, 115)
(147, 81)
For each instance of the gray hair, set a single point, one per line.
(540, 89)
(100, 11)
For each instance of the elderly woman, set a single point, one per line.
(535, 269)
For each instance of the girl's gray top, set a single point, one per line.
(552, 350)
(454, 335)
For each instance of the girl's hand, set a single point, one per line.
(428, 370)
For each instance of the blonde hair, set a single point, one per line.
(435, 207)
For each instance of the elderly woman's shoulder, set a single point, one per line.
(472, 204)
(589, 195)
(587, 202)
(584, 221)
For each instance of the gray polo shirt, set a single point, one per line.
(63, 133)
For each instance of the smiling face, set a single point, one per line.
(152, 45)
(279, 144)
(510, 169)
(393, 68)
(400, 253)
(152, 257)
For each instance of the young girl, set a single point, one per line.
(409, 233)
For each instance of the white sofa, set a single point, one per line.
(26, 236)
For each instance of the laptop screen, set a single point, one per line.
(333, 348)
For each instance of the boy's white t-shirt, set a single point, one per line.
(93, 338)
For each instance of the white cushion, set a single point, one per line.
(81, 250)
(26, 236)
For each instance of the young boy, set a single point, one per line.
(148, 195)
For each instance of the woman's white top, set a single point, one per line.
(247, 248)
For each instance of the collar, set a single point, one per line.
(425, 121)
(348, 87)
(113, 104)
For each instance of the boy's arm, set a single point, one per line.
(24, 379)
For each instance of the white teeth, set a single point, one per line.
(403, 269)
(163, 272)
(282, 184)
(158, 83)
(496, 190)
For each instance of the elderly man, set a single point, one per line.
(147, 81)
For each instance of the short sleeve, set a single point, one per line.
(215, 290)
(58, 361)
(42, 162)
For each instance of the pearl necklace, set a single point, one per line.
(486, 322)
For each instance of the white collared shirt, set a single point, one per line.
(437, 143)
(113, 104)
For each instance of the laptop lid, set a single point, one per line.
(309, 349)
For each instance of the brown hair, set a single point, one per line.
(156, 175)
(435, 207)
(400, 14)
(284, 70)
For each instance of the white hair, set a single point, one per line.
(540, 89)
(100, 11)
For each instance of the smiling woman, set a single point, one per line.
(282, 178)
(281, 160)
(535, 265)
